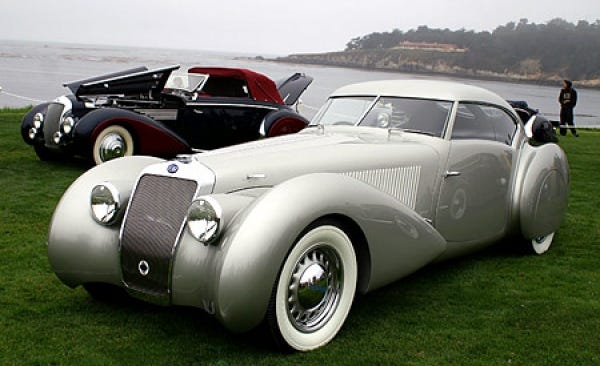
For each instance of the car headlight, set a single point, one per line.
(67, 125)
(56, 137)
(32, 133)
(38, 119)
(204, 220)
(105, 203)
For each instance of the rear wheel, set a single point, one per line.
(541, 244)
(314, 291)
(112, 142)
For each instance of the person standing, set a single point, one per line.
(567, 99)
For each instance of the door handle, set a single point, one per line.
(451, 174)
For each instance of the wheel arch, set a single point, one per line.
(150, 137)
(544, 190)
(261, 236)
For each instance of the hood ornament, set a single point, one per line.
(172, 168)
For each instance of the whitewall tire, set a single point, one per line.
(542, 244)
(112, 142)
(314, 291)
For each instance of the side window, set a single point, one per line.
(483, 122)
(504, 126)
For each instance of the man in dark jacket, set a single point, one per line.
(567, 100)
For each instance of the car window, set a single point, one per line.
(423, 115)
(484, 122)
(343, 111)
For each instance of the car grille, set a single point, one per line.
(51, 121)
(151, 230)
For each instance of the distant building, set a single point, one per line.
(426, 46)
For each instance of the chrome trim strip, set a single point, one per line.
(235, 105)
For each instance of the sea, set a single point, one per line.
(32, 72)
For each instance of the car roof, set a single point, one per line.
(261, 87)
(425, 89)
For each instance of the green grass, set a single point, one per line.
(492, 308)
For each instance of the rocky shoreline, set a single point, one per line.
(429, 63)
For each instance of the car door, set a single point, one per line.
(473, 207)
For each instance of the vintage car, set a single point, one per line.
(390, 177)
(162, 113)
(544, 128)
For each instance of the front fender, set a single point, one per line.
(79, 249)
(251, 253)
(151, 137)
(27, 122)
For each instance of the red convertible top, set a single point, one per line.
(261, 87)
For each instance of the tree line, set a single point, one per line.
(557, 48)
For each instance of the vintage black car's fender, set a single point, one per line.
(261, 236)
(282, 122)
(27, 123)
(150, 137)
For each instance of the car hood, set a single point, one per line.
(347, 150)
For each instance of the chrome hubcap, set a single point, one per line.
(314, 290)
(112, 146)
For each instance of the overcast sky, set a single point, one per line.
(263, 26)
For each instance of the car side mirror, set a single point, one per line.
(542, 130)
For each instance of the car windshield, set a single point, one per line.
(186, 82)
(412, 115)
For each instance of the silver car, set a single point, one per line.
(390, 176)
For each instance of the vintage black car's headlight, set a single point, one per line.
(38, 120)
(32, 133)
(67, 125)
(204, 220)
(105, 204)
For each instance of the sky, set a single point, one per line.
(263, 27)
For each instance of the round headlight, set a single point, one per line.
(32, 133)
(204, 219)
(38, 119)
(56, 137)
(68, 124)
(105, 204)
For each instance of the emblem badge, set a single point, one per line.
(173, 168)
(144, 268)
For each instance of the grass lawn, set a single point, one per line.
(492, 308)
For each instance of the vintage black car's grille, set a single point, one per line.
(51, 121)
(154, 221)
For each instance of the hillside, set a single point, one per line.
(516, 51)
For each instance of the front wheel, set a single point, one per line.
(44, 154)
(314, 291)
(112, 142)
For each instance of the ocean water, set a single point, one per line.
(33, 72)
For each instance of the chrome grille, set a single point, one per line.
(52, 121)
(150, 232)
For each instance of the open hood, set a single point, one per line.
(134, 81)
(292, 88)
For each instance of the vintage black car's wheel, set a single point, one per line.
(314, 291)
(44, 154)
(112, 142)
(542, 244)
